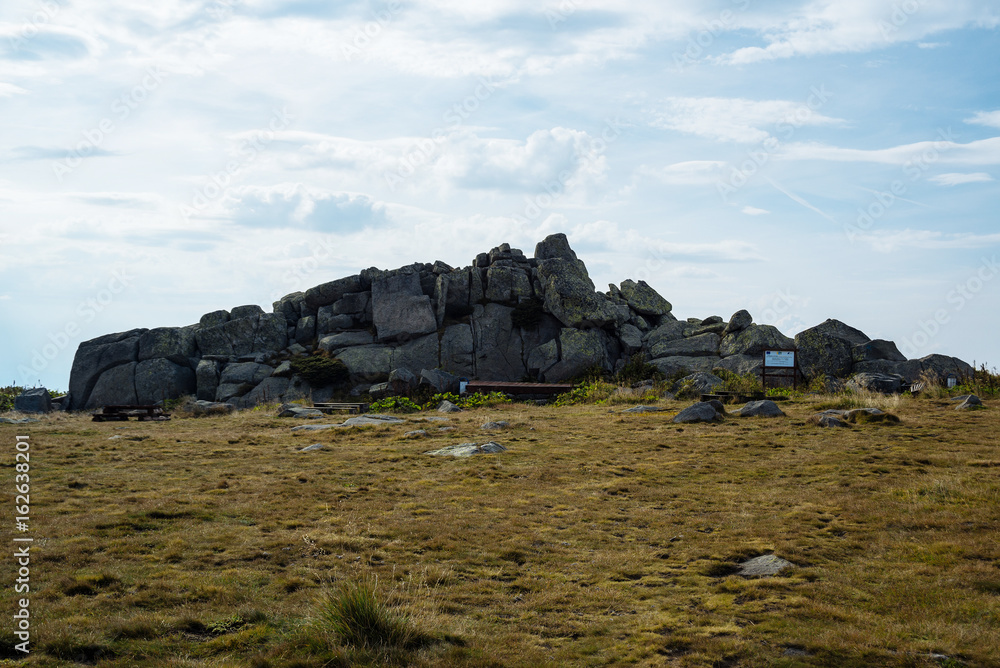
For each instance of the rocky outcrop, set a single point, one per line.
(506, 316)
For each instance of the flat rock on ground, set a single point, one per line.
(468, 449)
(763, 408)
(416, 433)
(703, 411)
(310, 448)
(642, 409)
(491, 426)
(448, 407)
(15, 421)
(358, 420)
(827, 420)
(766, 565)
(968, 401)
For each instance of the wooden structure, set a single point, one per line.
(732, 397)
(487, 386)
(121, 413)
(328, 407)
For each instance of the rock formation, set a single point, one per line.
(504, 317)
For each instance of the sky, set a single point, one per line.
(802, 160)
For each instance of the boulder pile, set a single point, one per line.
(504, 317)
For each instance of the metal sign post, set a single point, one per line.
(777, 364)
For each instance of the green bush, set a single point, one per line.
(748, 383)
(320, 371)
(358, 619)
(528, 314)
(394, 405)
(474, 400)
(638, 369)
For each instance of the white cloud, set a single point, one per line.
(954, 179)
(734, 119)
(988, 118)
(932, 45)
(887, 242)
(753, 211)
(692, 172)
(6, 90)
(919, 154)
(852, 26)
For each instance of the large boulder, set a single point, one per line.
(568, 292)
(290, 307)
(643, 299)
(420, 353)
(878, 349)
(695, 346)
(35, 400)
(754, 340)
(114, 387)
(214, 319)
(251, 373)
(96, 356)
(400, 309)
(738, 322)
(630, 338)
(700, 382)
(368, 363)
(742, 365)
(176, 344)
(451, 294)
(554, 246)
(207, 379)
(670, 366)
(507, 284)
(498, 345)
(160, 379)
(457, 350)
(328, 293)
(441, 381)
(939, 367)
(820, 352)
(875, 382)
(837, 329)
(256, 333)
(580, 350)
(668, 331)
(343, 340)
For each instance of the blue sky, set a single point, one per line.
(803, 160)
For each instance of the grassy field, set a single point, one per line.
(600, 538)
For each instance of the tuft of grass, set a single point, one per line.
(356, 617)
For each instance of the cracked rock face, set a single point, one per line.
(506, 317)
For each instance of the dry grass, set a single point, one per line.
(599, 538)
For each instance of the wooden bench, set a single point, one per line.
(121, 413)
(329, 407)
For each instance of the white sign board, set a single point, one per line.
(779, 358)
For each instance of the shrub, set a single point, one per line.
(358, 619)
(747, 383)
(528, 314)
(638, 369)
(7, 395)
(395, 405)
(320, 371)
